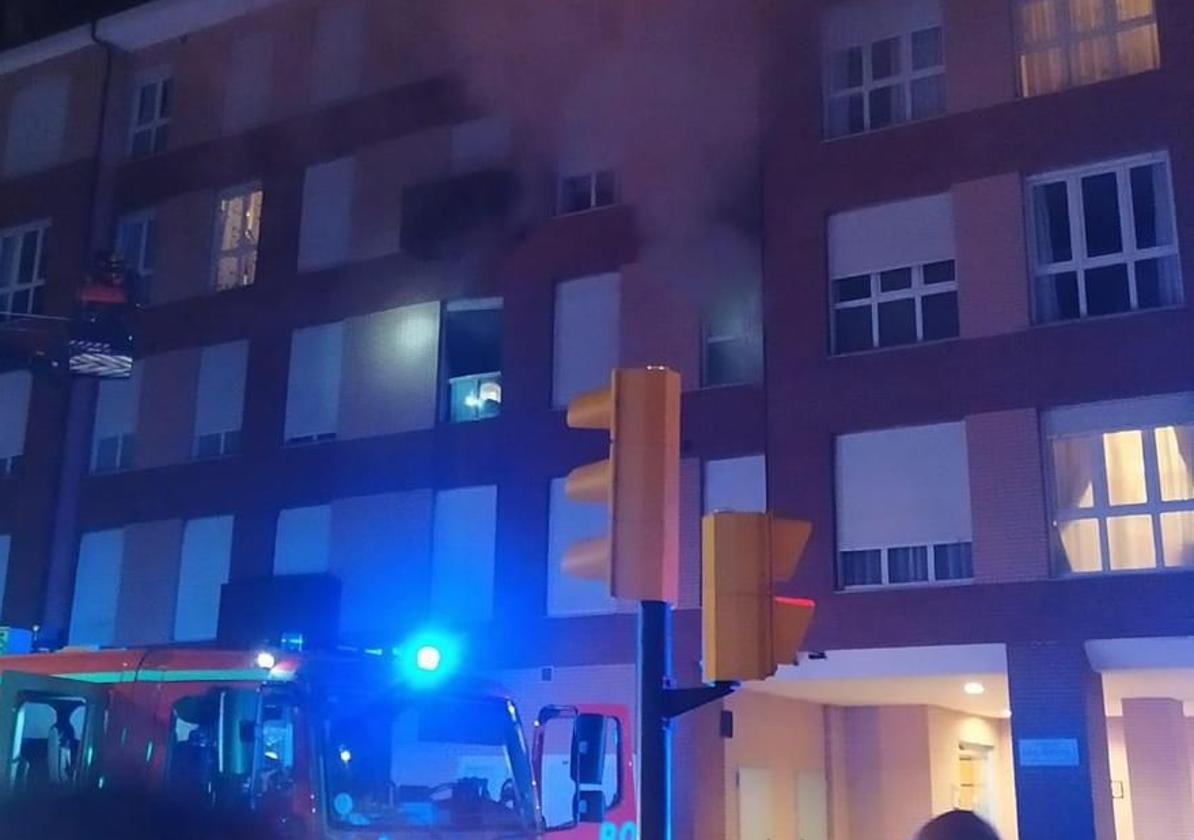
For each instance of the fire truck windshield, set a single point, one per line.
(426, 762)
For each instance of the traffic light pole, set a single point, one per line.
(654, 729)
(658, 704)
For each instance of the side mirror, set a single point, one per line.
(578, 763)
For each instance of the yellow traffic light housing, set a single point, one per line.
(748, 631)
(640, 481)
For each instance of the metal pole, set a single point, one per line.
(654, 728)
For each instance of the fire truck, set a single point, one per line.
(362, 745)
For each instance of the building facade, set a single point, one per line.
(920, 263)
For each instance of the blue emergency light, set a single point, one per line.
(428, 658)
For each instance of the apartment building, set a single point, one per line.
(919, 263)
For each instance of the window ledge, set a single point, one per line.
(1098, 319)
(853, 354)
(1156, 570)
(871, 132)
(889, 587)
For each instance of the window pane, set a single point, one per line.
(1123, 453)
(887, 106)
(1177, 538)
(1080, 544)
(852, 329)
(43, 254)
(1152, 207)
(893, 281)
(605, 188)
(142, 142)
(1038, 21)
(1175, 462)
(953, 561)
(939, 272)
(908, 564)
(939, 316)
(8, 255)
(1100, 211)
(167, 97)
(575, 194)
(232, 221)
(1138, 49)
(862, 568)
(885, 58)
(1087, 15)
(845, 69)
(1092, 59)
(730, 362)
(161, 136)
(1057, 297)
(1132, 9)
(1051, 207)
(927, 49)
(928, 97)
(1042, 71)
(1107, 290)
(897, 322)
(146, 103)
(1073, 472)
(28, 257)
(846, 115)
(852, 288)
(253, 217)
(1130, 542)
(1158, 283)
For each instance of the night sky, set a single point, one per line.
(28, 20)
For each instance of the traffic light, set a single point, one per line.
(748, 631)
(639, 558)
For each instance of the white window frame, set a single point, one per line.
(592, 179)
(248, 246)
(1102, 510)
(903, 80)
(158, 125)
(147, 221)
(917, 292)
(886, 583)
(125, 450)
(1066, 39)
(10, 286)
(1079, 262)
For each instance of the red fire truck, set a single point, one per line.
(327, 745)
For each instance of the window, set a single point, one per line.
(586, 335)
(151, 117)
(570, 522)
(462, 565)
(37, 125)
(238, 230)
(1104, 240)
(203, 569)
(896, 306)
(136, 242)
(733, 351)
(115, 434)
(23, 257)
(301, 541)
(15, 388)
(886, 82)
(903, 506)
(327, 214)
(313, 393)
(587, 191)
(97, 586)
(738, 484)
(472, 359)
(1063, 43)
(220, 400)
(893, 276)
(1123, 485)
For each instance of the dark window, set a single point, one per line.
(852, 288)
(1100, 212)
(897, 322)
(927, 49)
(885, 58)
(852, 329)
(1053, 224)
(885, 106)
(1107, 290)
(928, 97)
(862, 568)
(893, 281)
(939, 316)
(952, 561)
(907, 564)
(939, 272)
(845, 69)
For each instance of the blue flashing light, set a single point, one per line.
(428, 658)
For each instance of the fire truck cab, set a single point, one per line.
(328, 745)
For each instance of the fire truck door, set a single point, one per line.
(50, 730)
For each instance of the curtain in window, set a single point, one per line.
(1177, 538)
(1038, 21)
(1138, 49)
(1175, 462)
(1092, 60)
(1080, 544)
(1123, 454)
(1087, 15)
(1132, 9)
(1043, 71)
(1073, 473)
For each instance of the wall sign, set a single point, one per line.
(1048, 752)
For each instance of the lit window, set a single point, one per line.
(893, 307)
(472, 359)
(1124, 499)
(23, 255)
(587, 191)
(151, 118)
(1104, 240)
(885, 82)
(238, 230)
(1063, 43)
